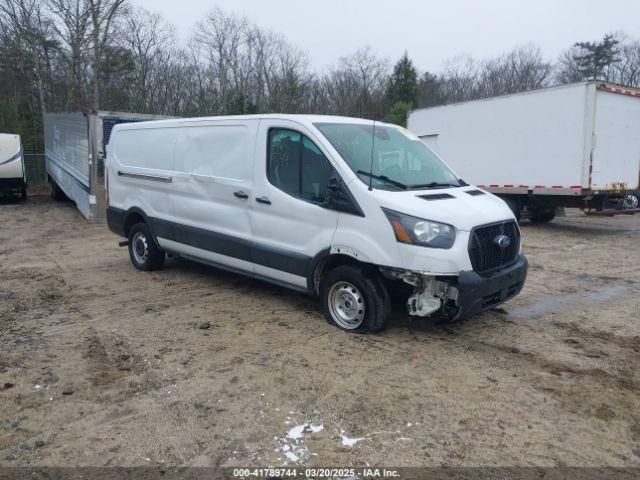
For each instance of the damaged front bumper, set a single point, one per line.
(462, 296)
(478, 293)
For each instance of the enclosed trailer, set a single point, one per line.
(12, 174)
(575, 145)
(75, 148)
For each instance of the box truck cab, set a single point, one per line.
(12, 175)
(343, 208)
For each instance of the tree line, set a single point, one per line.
(70, 55)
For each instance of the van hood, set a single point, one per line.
(454, 206)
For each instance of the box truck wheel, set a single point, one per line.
(143, 251)
(23, 193)
(630, 201)
(543, 215)
(56, 192)
(354, 299)
(514, 205)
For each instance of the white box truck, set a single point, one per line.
(339, 207)
(12, 173)
(575, 145)
(75, 146)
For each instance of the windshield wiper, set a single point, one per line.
(384, 178)
(434, 185)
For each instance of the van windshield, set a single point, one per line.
(400, 160)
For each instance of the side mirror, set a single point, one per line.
(332, 192)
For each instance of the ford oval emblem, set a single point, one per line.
(502, 241)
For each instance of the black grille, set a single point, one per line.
(486, 255)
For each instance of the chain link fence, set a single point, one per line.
(35, 170)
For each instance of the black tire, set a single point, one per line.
(543, 216)
(145, 255)
(23, 193)
(370, 290)
(56, 192)
(515, 207)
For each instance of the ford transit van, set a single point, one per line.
(343, 208)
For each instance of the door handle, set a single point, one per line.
(240, 194)
(264, 200)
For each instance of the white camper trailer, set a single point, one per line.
(576, 146)
(12, 175)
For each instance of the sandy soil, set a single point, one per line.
(103, 365)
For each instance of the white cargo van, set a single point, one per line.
(339, 207)
(12, 177)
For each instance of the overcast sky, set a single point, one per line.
(431, 31)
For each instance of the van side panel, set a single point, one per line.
(213, 163)
(141, 171)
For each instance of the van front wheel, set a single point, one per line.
(355, 300)
(143, 251)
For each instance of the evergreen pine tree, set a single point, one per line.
(594, 58)
(402, 90)
(403, 83)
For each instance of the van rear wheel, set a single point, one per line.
(143, 251)
(355, 300)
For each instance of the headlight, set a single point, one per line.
(417, 231)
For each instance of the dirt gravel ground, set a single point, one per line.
(103, 365)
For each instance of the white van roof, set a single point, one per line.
(306, 120)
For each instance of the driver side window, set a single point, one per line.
(297, 166)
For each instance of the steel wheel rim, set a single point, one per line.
(140, 247)
(630, 201)
(347, 305)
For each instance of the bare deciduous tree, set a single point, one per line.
(566, 70)
(24, 18)
(518, 70)
(460, 79)
(356, 85)
(71, 22)
(147, 36)
(103, 14)
(627, 69)
(73, 54)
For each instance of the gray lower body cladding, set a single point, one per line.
(475, 293)
(278, 258)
